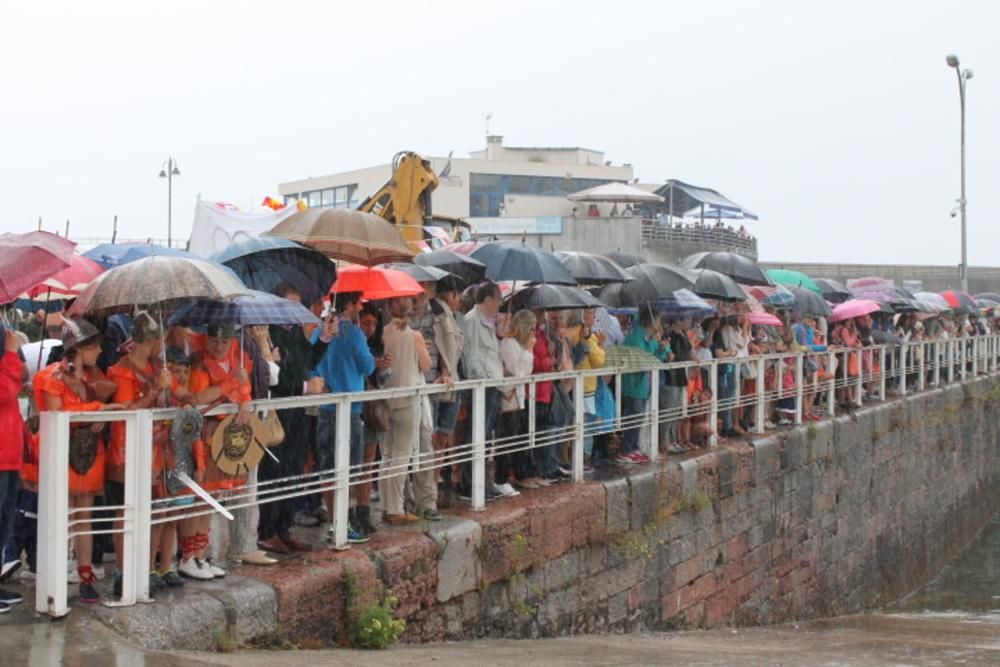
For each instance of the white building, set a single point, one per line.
(499, 181)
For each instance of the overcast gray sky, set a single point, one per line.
(836, 122)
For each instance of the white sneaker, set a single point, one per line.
(73, 577)
(508, 490)
(26, 575)
(214, 569)
(194, 568)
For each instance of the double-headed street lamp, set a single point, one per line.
(963, 77)
(168, 170)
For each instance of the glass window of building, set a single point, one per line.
(315, 199)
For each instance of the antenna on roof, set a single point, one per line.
(489, 116)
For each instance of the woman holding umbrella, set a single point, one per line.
(76, 384)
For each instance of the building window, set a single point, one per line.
(344, 196)
(487, 191)
(291, 199)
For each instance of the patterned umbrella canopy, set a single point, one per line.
(157, 280)
(67, 283)
(28, 259)
(249, 310)
(347, 235)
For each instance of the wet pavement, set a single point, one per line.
(955, 620)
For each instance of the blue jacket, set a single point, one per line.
(346, 363)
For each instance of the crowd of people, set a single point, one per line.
(442, 336)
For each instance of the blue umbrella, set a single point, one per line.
(264, 263)
(253, 309)
(110, 255)
(684, 303)
(781, 297)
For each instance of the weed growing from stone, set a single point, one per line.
(698, 501)
(377, 628)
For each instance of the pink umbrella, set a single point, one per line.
(871, 282)
(766, 319)
(69, 282)
(464, 247)
(853, 308)
(28, 259)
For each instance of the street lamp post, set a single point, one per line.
(963, 77)
(168, 170)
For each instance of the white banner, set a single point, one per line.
(216, 226)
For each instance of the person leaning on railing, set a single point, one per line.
(645, 335)
(75, 384)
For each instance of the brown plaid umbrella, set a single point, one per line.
(350, 236)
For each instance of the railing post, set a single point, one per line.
(921, 354)
(137, 513)
(530, 399)
(479, 448)
(713, 411)
(53, 515)
(937, 363)
(799, 388)
(975, 356)
(882, 373)
(342, 466)
(831, 392)
(950, 354)
(760, 407)
(964, 350)
(654, 413)
(578, 431)
(903, 350)
(859, 385)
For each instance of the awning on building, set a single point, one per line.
(681, 198)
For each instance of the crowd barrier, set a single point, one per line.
(903, 369)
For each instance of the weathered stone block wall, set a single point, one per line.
(831, 518)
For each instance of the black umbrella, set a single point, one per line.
(833, 291)
(518, 261)
(741, 269)
(623, 259)
(808, 302)
(264, 263)
(650, 283)
(591, 269)
(992, 296)
(467, 269)
(714, 285)
(553, 297)
(422, 274)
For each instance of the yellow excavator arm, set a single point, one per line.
(405, 200)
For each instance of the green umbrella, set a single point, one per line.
(793, 279)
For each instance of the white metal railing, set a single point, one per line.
(906, 368)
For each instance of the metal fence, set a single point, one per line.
(707, 236)
(903, 369)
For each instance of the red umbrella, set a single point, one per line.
(69, 282)
(28, 259)
(375, 282)
(960, 301)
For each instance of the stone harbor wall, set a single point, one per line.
(830, 518)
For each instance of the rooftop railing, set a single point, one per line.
(709, 236)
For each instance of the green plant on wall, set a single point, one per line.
(377, 628)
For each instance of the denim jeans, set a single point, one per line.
(630, 439)
(546, 456)
(727, 390)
